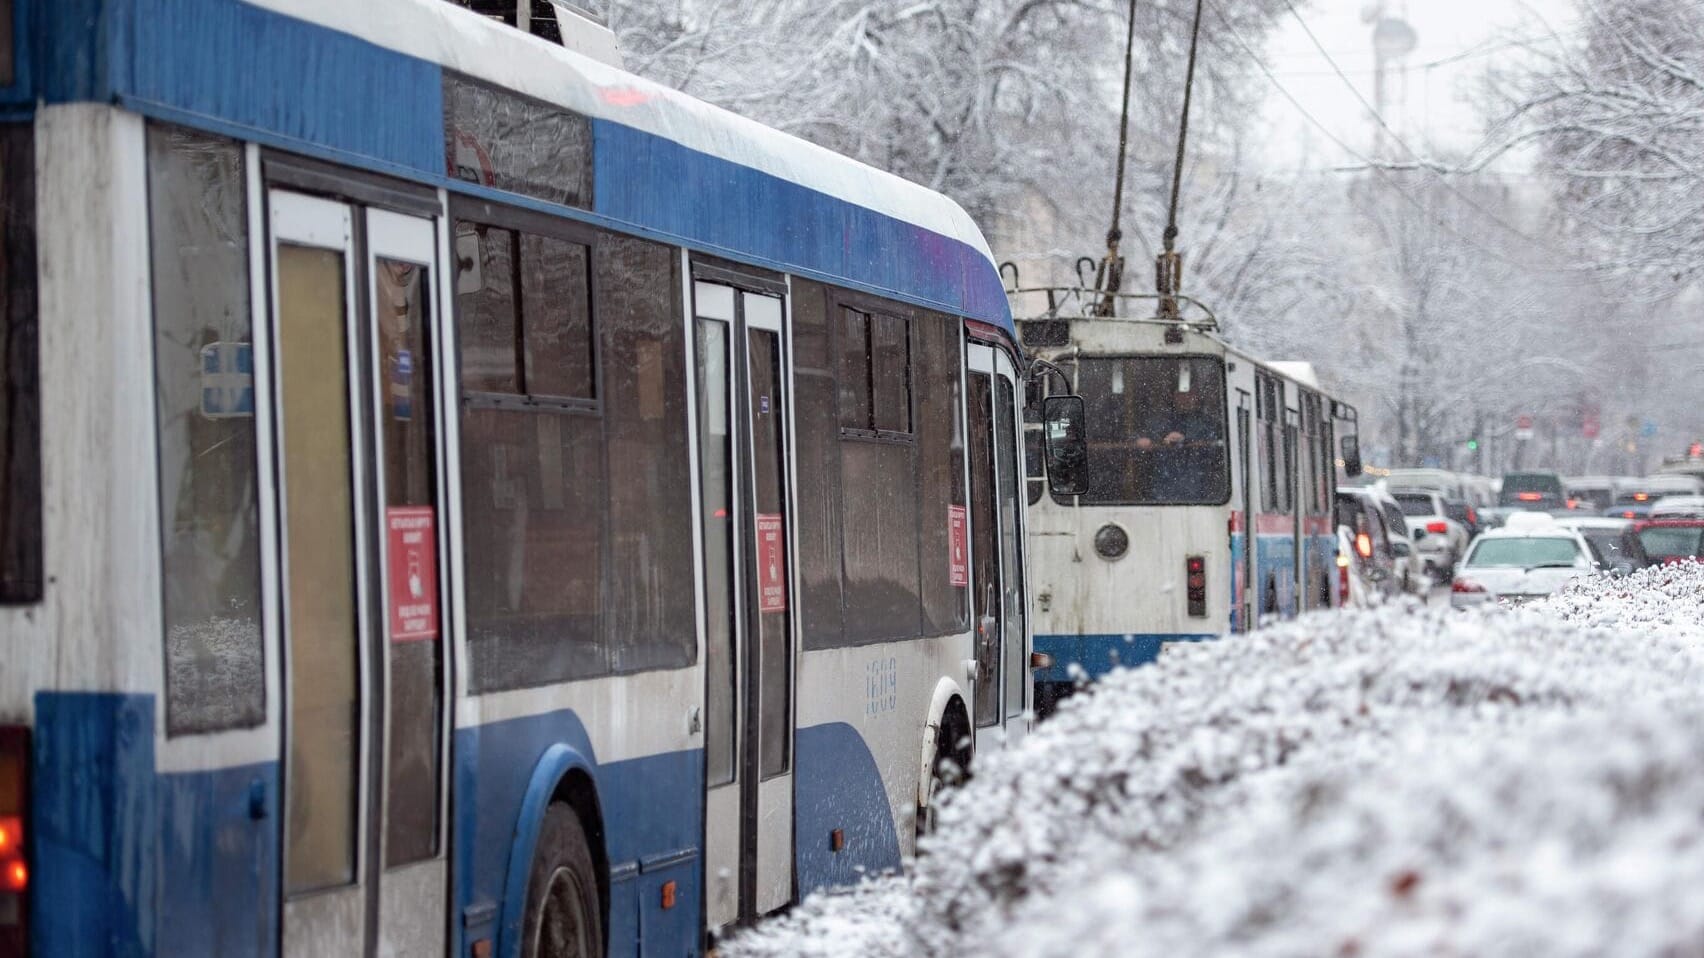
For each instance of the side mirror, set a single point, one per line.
(1621, 567)
(1066, 445)
(1417, 534)
(1351, 446)
(1401, 549)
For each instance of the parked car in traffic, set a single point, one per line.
(1634, 500)
(1614, 543)
(1590, 493)
(1438, 539)
(1530, 557)
(1463, 512)
(1670, 540)
(1538, 491)
(1373, 564)
(1407, 564)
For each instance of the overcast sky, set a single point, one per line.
(1433, 113)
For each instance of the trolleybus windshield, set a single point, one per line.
(1156, 430)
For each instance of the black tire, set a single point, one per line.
(564, 918)
(1271, 597)
(950, 766)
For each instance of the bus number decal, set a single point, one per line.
(881, 686)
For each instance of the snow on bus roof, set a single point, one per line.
(1299, 370)
(461, 40)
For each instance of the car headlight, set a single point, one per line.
(1111, 542)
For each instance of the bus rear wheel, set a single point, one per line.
(563, 917)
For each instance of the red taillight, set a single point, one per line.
(14, 840)
(1573, 503)
(1463, 585)
(1529, 496)
(1472, 515)
(1364, 545)
(1195, 575)
(1628, 515)
(1437, 528)
(1342, 580)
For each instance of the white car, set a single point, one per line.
(1439, 540)
(1529, 558)
(1678, 507)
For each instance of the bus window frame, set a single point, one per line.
(22, 506)
(1225, 434)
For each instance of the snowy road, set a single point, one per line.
(1419, 782)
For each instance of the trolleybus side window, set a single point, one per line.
(880, 431)
(817, 431)
(205, 404)
(20, 411)
(570, 575)
(1156, 430)
(878, 480)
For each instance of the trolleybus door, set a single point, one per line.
(1000, 689)
(745, 442)
(1248, 586)
(364, 690)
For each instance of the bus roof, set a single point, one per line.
(363, 83)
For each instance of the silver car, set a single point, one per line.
(1530, 558)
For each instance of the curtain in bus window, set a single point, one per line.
(940, 453)
(1156, 430)
(204, 401)
(818, 468)
(651, 616)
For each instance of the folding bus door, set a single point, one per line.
(353, 318)
(1001, 688)
(744, 449)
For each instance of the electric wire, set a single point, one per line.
(1396, 137)
(1376, 169)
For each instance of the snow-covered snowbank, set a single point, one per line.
(1393, 782)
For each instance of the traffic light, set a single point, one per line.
(1473, 445)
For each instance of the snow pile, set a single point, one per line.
(1402, 781)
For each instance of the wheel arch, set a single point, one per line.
(561, 775)
(948, 695)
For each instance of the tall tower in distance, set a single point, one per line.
(1393, 40)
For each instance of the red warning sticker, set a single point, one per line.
(771, 564)
(959, 564)
(413, 554)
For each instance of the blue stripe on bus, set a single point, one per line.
(839, 786)
(128, 861)
(1100, 654)
(646, 179)
(652, 807)
(245, 71)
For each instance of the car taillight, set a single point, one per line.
(1529, 496)
(1472, 516)
(1465, 586)
(14, 841)
(1364, 545)
(1195, 575)
(1641, 497)
(1628, 514)
(1342, 580)
(1437, 527)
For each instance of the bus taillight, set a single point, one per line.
(14, 843)
(1195, 570)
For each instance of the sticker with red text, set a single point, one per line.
(771, 565)
(959, 564)
(412, 535)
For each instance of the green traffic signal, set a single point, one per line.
(1472, 444)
